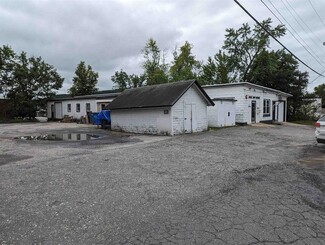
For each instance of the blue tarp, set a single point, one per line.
(102, 115)
(94, 118)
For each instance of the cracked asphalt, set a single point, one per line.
(262, 184)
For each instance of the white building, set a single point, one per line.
(164, 109)
(223, 113)
(254, 103)
(78, 106)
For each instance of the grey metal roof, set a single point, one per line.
(161, 95)
(62, 97)
(247, 85)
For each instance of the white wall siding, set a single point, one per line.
(222, 114)
(260, 116)
(193, 101)
(248, 96)
(73, 113)
(74, 103)
(146, 121)
(235, 92)
(155, 121)
(244, 96)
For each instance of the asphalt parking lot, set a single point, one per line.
(262, 184)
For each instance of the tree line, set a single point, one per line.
(28, 82)
(245, 56)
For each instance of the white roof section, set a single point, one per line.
(246, 84)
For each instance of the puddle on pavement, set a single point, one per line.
(316, 162)
(60, 137)
(314, 159)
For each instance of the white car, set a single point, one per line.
(320, 130)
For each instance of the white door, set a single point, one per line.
(230, 114)
(188, 118)
(194, 121)
(281, 111)
(58, 110)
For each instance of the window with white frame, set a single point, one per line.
(266, 107)
(88, 107)
(78, 108)
(69, 107)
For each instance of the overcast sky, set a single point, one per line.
(109, 35)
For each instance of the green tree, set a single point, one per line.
(137, 81)
(264, 70)
(121, 80)
(246, 43)
(184, 66)
(155, 67)
(124, 81)
(298, 89)
(319, 92)
(280, 70)
(7, 63)
(33, 82)
(85, 80)
(217, 70)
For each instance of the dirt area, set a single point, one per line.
(314, 157)
(262, 184)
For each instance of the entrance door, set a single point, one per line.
(58, 110)
(253, 111)
(284, 112)
(52, 111)
(274, 111)
(188, 118)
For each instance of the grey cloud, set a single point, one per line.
(109, 35)
(100, 33)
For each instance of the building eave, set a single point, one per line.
(83, 97)
(247, 84)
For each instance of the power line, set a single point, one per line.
(318, 60)
(246, 11)
(317, 77)
(292, 26)
(302, 21)
(316, 12)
